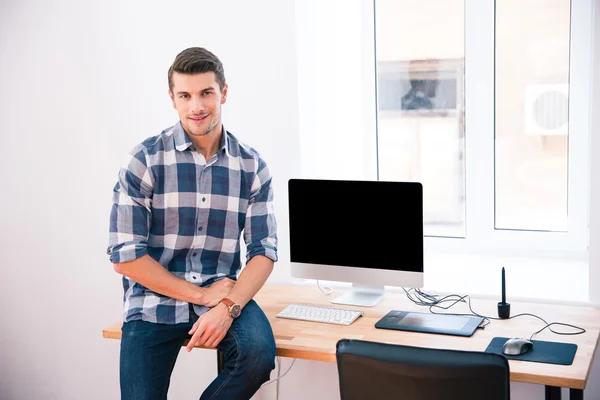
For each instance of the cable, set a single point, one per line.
(326, 290)
(278, 371)
(559, 333)
(433, 301)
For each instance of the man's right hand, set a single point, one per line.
(215, 292)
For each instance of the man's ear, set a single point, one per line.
(172, 98)
(224, 94)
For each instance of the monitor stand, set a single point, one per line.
(361, 295)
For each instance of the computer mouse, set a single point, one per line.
(516, 346)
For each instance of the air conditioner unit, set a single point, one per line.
(547, 109)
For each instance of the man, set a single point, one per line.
(180, 205)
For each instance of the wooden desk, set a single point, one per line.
(317, 341)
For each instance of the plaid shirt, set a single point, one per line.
(188, 214)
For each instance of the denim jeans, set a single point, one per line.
(149, 351)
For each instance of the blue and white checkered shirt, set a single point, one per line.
(188, 214)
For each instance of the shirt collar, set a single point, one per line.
(182, 141)
(224, 146)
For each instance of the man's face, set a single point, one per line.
(197, 99)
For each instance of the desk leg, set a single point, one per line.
(220, 361)
(552, 393)
(575, 394)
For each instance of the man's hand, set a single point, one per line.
(215, 292)
(210, 328)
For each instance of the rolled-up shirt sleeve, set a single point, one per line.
(260, 231)
(131, 210)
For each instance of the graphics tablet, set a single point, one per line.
(458, 325)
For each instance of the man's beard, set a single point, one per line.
(207, 131)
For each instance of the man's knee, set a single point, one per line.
(259, 354)
(253, 342)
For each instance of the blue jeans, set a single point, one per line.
(149, 351)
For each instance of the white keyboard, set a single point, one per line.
(328, 315)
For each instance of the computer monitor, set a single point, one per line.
(369, 233)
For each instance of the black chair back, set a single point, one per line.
(371, 370)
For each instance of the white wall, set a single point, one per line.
(82, 82)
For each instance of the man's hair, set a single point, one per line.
(197, 60)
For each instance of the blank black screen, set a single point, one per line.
(366, 224)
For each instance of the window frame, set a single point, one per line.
(481, 234)
(348, 150)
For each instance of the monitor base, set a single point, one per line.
(361, 295)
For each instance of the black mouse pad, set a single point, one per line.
(543, 352)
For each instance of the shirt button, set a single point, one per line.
(204, 199)
(199, 228)
(194, 254)
(193, 277)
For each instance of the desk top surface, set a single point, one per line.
(317, 341)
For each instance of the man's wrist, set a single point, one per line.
(233, 308)
(199, 295)
(224, 308)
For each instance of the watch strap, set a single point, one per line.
(227, 302)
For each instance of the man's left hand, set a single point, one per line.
(210, 328)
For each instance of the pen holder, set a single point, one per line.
(503, 310)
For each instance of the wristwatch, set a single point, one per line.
(234, 309)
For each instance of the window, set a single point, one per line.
(532, 115)
(420, 49)
(486, 103)
(473, 101)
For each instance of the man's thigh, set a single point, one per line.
(148, 355)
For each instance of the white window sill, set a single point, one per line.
(536, 279)
(530, 279)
